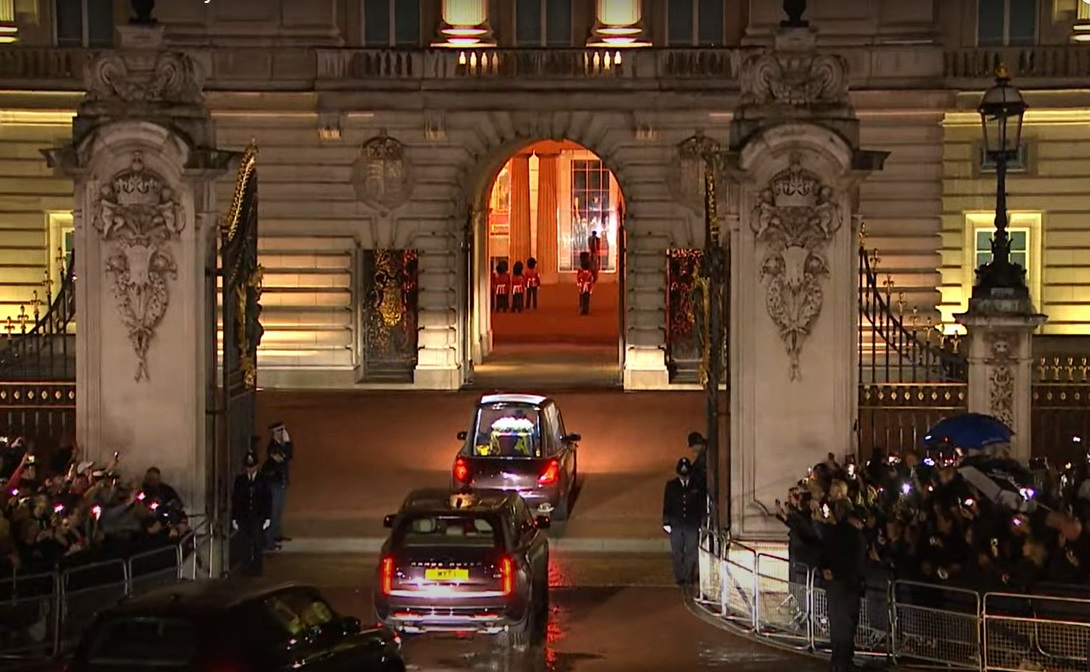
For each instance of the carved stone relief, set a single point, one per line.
(795, 217)
(382, 175)
(137, 214)
(143, 76)
(686, 176)
(795, 78)
(1001, 362)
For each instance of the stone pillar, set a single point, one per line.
(1000, 335)
(794, 304)
(145, 236)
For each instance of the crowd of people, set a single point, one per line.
(61, 511)
(933, 520)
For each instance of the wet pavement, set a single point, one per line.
(359, 453)
(607, 615)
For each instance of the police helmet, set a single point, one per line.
(684, 467)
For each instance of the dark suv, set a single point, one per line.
(241, 626)
(468, 561)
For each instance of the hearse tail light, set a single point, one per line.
(551, 474)
(387, 575)
(461, 471)
(507, 575)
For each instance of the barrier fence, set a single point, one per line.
(43, 615)
(902, 621)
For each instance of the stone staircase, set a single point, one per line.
(308, 307)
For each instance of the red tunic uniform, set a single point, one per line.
(518, 284)
(533, 278)
(501, 284)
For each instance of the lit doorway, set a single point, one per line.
(555, 206)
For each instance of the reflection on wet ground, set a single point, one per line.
(603, 629)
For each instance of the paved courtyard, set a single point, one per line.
(359, 453)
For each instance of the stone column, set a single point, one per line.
(794, 304)
(145, 236)
(1000, 335)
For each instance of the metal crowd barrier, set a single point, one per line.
(902, 621)
(42, 615)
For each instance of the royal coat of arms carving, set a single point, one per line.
(795, 217)
(382, 175)
(137, 214)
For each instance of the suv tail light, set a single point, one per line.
(551, 474)
(507, 575)
(461, 471)
(387, 575)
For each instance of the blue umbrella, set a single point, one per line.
(969, 431)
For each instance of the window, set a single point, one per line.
(543, 23)
(454, 529)
(593, 212)
(695, 23)
(154, 642)
(507, 430)
(1018, 164)
(299, 612)
(83, 23)
(1019, 239)
(1006, 23)
(391, 23)
(62, 235)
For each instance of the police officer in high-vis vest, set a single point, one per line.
(251, 514)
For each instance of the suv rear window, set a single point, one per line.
(143, 642)
(448, 530)
(506, 430)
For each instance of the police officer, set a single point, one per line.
(251, 514)
(699, 445)
(682, 512)
(843, 555)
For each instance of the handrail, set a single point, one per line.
(886, 324)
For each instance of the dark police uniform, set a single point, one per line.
(844, 551)
(683, 504)
(251, 510)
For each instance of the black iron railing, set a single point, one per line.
(38, 366)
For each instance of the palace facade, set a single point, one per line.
(407, 146)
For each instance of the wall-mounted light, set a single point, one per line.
(465, 24)
(618, 25)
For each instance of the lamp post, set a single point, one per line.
(1002, 109)
(712, 271)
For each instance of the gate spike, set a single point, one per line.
(901, 305)
(888, 284)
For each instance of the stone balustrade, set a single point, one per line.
(255, 68)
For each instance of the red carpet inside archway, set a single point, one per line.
(557, 319)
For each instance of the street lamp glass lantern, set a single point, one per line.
(1002, 109)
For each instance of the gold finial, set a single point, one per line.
(915, 316)
(47, 282)
(956, 339)
(862, 233)
(1001, 71)
(23, 318)
(874, 259)
(36, 302)
(930, 328)
(1084, 370)
(9, 326)
(888, 284)
(901, 304)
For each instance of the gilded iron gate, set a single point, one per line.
(38, 363)
(240, 278)
(683, 303)
(388, 315)
(910, 375)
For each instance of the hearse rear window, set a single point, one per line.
(144, 643)
(506, 430)
(448, 530)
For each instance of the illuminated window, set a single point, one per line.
(593, 201)
(391, 23)
(83, 23)
(1025, 231)
(695, 23)
(1006, 23)
(543, 23)
(499, 210)
(1019, 239)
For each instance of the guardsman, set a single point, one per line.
(501, 288)
(533, 281)
(251, 514)
(843, 554)
(518, 288)
(584, 280)
(682, 513)
(594, 247)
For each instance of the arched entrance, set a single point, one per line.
(555, 206)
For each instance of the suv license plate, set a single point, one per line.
(446, 574)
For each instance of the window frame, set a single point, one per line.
(1006, 41)
(1029, 222)
(391, 29)
(694, 30)
(543, 22)
(85, 36)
